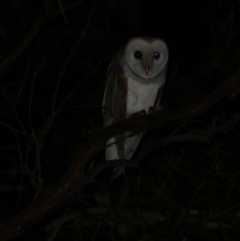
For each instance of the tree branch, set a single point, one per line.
(75, 178)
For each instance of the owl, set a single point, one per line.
(134, 84)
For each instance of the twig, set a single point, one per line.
(70, 56)
(62, 10)
(57, 225)
(32, 33)
(13, 129)
(169, 175)
(14, 110)
(54, 112)
(21, 179)
(78, 85)
(31, 97)
(75, 178)
(192, 199)
(23, 83)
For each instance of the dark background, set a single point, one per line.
(54, 56)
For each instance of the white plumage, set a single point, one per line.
(135, 79)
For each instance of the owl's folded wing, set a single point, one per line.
(115, 96)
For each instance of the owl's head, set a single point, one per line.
(146, 57)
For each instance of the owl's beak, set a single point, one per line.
(146, 64)
(146, 69)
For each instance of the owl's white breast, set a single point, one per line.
(141, 96)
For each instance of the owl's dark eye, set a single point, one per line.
(156, 55)
(138, 55)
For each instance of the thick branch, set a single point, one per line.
(74, 178)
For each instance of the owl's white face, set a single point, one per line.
(146, 57)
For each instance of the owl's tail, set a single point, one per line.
(117, 172)
(129, 146)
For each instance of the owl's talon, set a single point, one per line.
(159, 108)
(140, 113)
(152, 110)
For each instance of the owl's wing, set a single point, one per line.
(115, 103)
(115, 96)
(157, 105)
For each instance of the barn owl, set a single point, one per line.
(135, 80)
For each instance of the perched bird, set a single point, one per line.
(135, 80)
